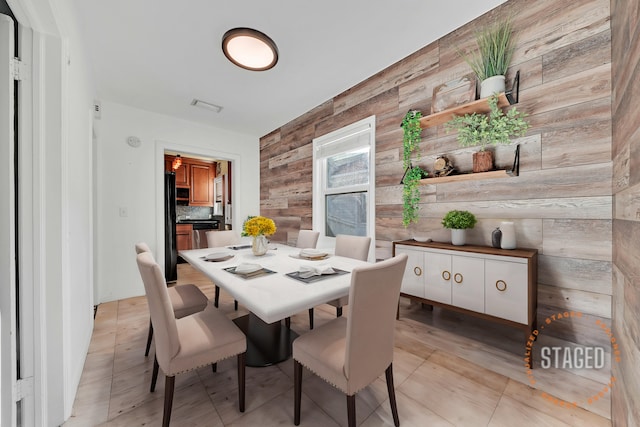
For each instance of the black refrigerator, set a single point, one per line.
(170, 246)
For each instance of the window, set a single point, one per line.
(344, 182)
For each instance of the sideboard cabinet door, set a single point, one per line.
(413, 280)
(438, 277)
(506, 289)
(467, 287)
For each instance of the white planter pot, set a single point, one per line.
(492, 85)
(458, 236)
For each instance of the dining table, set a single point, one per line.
(275, 286)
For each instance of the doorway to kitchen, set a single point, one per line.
(197, 200)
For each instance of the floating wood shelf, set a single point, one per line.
(504, 173)
(479, 106)
(467, 177)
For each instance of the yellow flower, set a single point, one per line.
(258, 225)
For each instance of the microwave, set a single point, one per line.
(182, 196)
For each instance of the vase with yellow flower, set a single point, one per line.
(258, 227)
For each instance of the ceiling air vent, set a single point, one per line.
(207, 105)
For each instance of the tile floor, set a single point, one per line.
(449, 370)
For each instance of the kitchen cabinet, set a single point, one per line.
(182, 173)
(201, 193)
(495, 284)
(183, 236)
(195, 175)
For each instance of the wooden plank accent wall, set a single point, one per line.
(563, 199)
(625, 40)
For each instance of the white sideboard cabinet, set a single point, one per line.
(494, 284)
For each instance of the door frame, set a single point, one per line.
(8, 343)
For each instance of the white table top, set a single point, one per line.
(274, 297)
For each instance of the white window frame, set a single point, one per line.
(336, 142)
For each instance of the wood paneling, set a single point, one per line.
(625, 40)
(562, 202)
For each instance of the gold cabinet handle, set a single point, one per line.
(446, 275)
(417, 271)
(501, 285)
(457, 277)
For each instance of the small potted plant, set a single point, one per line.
(413, 174)
(483, 129)
(459, 222)
(490, 63)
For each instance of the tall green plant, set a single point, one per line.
(495, 50)
(413, 174)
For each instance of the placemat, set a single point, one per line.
(296, 256)
(259, 273)
(296, 275)
(237, 247)
(228, 257)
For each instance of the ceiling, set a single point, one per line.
(159, 55)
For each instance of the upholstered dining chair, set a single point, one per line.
(185, 299)
(356, 247)
(350, 353)
(188, 343)
(216, 239)
(307, 239)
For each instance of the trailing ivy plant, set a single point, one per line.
(412, 136)
(413, 174)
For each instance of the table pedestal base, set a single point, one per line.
(267, 343)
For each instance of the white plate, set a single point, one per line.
(246, 268)
(216, 256)
(312, 253)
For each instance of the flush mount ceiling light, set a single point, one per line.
(250, 49)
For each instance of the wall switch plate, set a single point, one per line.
(124, 212)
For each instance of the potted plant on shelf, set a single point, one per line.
(490, 63)
(459, 222)
(413, 174)
(483, 129)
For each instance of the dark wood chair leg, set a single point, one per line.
(235, 305)
(311, 318)
(351, 410)
(297, 391)
(214, 367)
(287, 322)
(241, 381)
(392, 395)
(149, 337)
(154, 375)
(168, 400)
(338, 311)
(216, 299)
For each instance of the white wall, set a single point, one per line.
(77, 204)
(133, 178)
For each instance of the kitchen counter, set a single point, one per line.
(197, 221)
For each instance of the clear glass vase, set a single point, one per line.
(259, 245)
